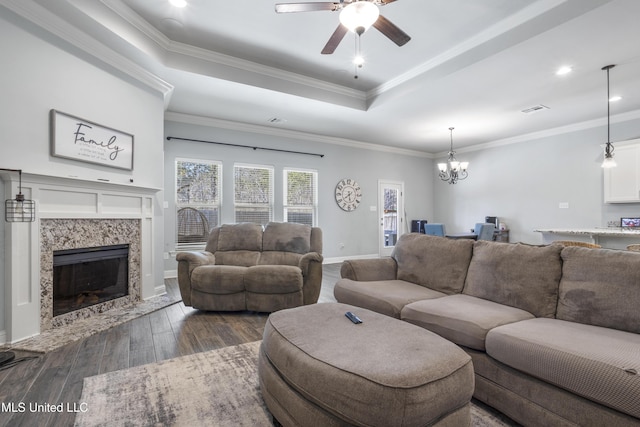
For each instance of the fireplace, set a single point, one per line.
(70, 237)
(83, 277)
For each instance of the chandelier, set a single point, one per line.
(453, 170)
(609, 161)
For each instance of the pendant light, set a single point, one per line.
(19, 209)
(609, 161)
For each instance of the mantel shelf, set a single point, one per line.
(74, 181)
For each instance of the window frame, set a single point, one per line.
(271, 203)
(215, 205)
(285, 194)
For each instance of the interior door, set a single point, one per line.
(391, 209)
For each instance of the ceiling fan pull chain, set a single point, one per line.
(358, 60)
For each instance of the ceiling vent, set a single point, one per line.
(535, 109)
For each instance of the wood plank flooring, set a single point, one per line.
(56, 378)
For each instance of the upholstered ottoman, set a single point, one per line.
(317, 368)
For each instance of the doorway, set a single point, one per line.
(391, 209)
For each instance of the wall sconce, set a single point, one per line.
(19, 209)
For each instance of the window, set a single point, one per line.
(300, 196)
(198, 199)
(253, 190)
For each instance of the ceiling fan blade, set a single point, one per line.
(335, 40)
(306, 7)
(383, 2)
(390, 30)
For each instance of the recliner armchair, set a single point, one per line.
(244, 267)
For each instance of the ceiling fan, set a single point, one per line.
(355, 15)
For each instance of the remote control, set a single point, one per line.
(355, 319)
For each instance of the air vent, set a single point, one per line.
(535, 109)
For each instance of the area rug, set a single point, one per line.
(53, 338)
(214, 388)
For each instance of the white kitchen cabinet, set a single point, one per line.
(622, 183)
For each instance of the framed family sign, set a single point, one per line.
(79, 139)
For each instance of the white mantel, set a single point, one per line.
(67, 198)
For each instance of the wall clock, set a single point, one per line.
(348, 194)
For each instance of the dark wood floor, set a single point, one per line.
(177, 330)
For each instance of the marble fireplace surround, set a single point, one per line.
(60, 234)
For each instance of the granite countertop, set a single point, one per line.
(604, 231)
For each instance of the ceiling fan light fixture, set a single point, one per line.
(359, 16)
(358, 60)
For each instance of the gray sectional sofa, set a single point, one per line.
(553, 332)
(246, 267)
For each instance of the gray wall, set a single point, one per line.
(525, 182)
(358, 230)
(42, 73)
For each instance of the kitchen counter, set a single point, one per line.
(608, 237)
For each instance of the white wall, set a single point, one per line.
(357, 230)
(40, 73)
(525, 182)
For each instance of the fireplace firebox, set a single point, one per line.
(87, 276)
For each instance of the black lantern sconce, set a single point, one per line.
(19, 209)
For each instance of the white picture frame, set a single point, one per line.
(79, 139)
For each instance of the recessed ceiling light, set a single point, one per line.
(178, 3)
(563, 70)
(615, 98)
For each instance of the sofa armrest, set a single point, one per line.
(306, 259)
(311, 266)
(196, 258)
(367, 270)
(187, 261)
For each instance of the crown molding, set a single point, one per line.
(177, 48)
(51, 23)
(172, 116)
(560, 130)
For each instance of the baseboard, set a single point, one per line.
(159, 290)
(337, 260)
(170, 274)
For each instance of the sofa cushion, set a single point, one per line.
(240, 258)
(435, 262)
(462, 319)
(521, 276)
(245, 236)
(383, 296)
(600, 364)
(273, 279)
(600, 287)
(279, 258)
(287, 237)
(218, 279)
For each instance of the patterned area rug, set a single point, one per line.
(215, 388)
(82, 328)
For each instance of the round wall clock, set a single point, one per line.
(348, 194)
